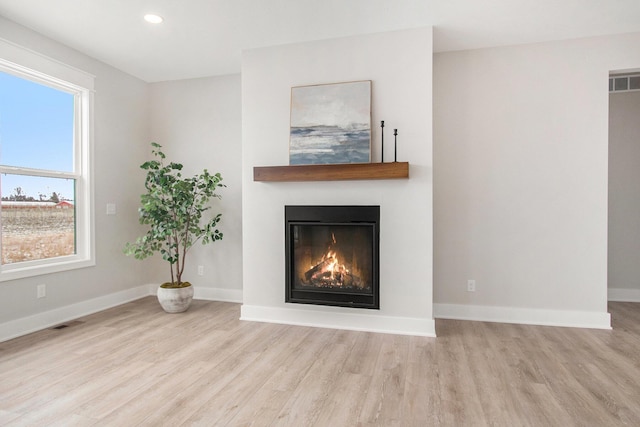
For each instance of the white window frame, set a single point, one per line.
(30, 65)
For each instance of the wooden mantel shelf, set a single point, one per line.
(341, 172)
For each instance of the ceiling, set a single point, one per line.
(206, 37)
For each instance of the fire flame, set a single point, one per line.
(329, 271)
(332, 264)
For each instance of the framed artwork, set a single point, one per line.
(330, 123)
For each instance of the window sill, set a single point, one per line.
(38, 268)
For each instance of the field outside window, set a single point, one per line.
(37, 228)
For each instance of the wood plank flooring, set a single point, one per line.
(134, 365)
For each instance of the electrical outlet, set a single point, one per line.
(471, 285)
(200, 270)
(42, 291)
(111, 209)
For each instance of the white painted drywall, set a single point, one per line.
(520, 174)
(400, 66)
(121, 131)
(198, 123)
(624, 191)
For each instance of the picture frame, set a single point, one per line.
(330, 123)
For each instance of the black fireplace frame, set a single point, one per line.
(333, 215)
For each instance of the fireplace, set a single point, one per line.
(332, 255)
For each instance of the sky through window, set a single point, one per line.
(36, 131)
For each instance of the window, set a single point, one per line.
(45, 212)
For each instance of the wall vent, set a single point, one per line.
(626, 83)
(68, 324)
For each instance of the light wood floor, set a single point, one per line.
(135, 365)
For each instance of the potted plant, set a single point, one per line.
(173, 208)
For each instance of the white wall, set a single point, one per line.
(520, 185)
(198, 123)
(624, 196)
(399, 64)
(119, 146)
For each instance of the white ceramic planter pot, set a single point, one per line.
(175, 300)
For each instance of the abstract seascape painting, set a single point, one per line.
(330, 123)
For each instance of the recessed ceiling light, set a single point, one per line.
(153, 19)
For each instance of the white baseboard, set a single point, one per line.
(217, 294)
(47, 319)
(527, 316)
(336, 320)
(210, 294)
(623, 295)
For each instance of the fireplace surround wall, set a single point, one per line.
(332, 255)
(406, 209)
